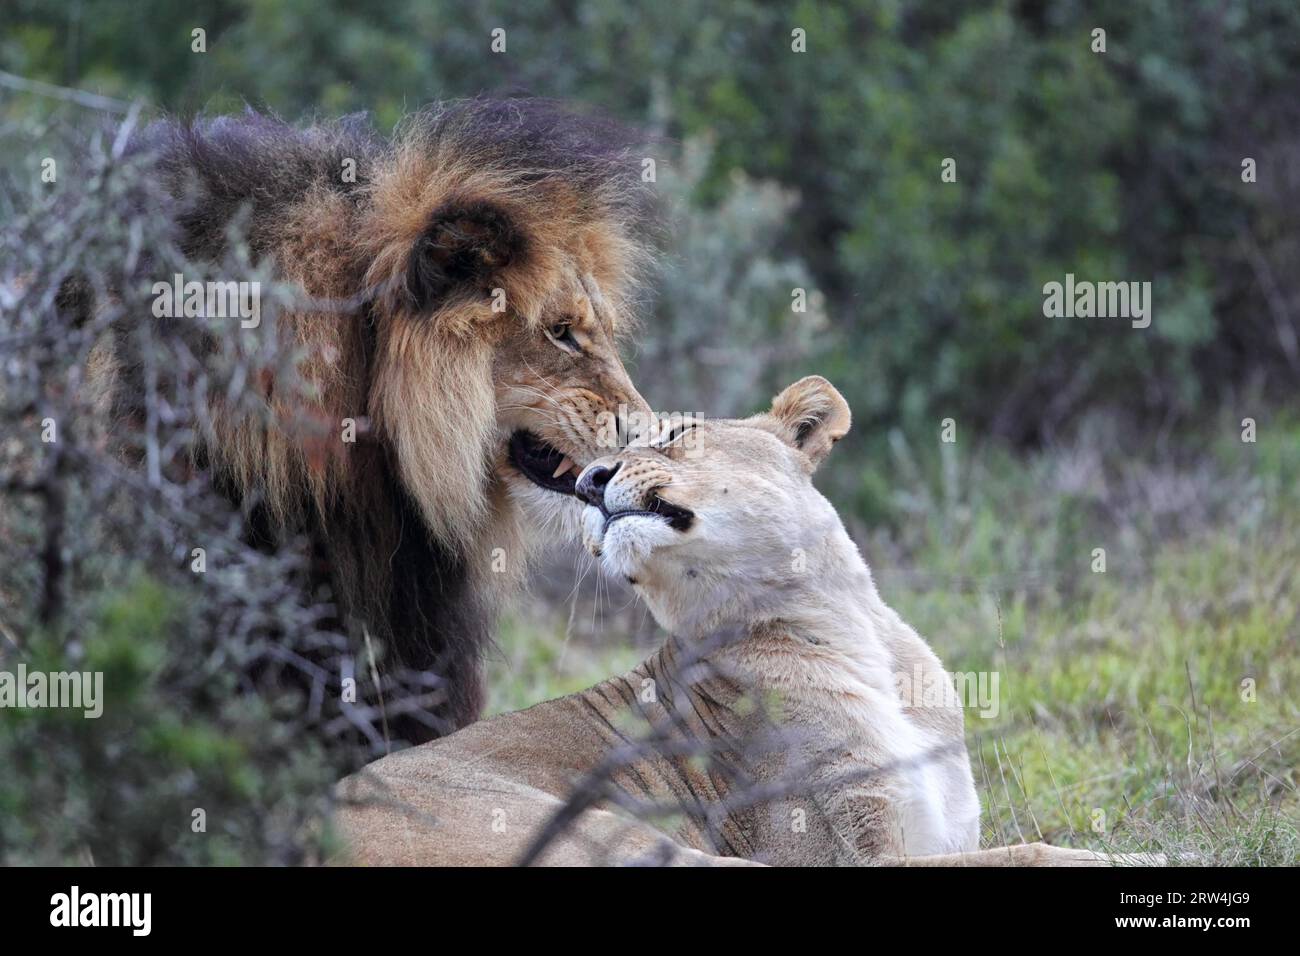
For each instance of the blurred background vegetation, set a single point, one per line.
(821, 171)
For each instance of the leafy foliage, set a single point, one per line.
(1123, 165)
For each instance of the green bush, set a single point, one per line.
(1120, 166)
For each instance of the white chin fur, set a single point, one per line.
(559, 516)
(593, 529)
(628, 543)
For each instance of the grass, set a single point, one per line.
(1156, 713)
(1150, 706)
(538, 658)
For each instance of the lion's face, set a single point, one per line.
(496, 358)
(720, 511)
(563, 397)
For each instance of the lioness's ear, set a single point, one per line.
(810, 415)
(464, 244)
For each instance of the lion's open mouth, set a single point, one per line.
(543, 464)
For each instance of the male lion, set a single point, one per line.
(735, 552)
(464, 285)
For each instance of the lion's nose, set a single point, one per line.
(592, 482)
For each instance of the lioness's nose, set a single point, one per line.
(592, 482)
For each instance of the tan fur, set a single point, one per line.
(802, 694)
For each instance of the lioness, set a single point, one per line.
(788, 742)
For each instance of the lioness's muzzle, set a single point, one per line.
(594, 481)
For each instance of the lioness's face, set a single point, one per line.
(563, 396)
(720, 510)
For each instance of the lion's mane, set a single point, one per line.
(402, 522)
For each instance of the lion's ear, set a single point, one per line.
(464, 245)
(810, 415)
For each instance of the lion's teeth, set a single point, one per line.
(565, 465)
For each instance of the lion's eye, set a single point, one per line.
(561, 333)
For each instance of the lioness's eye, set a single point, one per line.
(677, 432)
